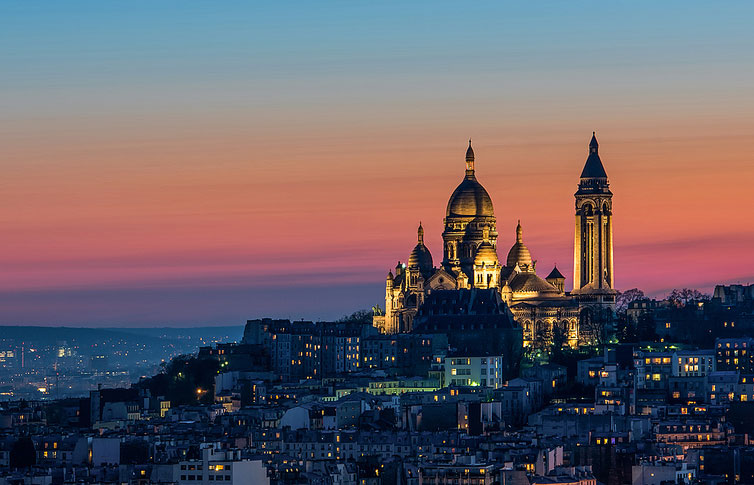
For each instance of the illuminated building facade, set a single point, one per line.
(545, 311)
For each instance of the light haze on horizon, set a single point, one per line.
(171, 163)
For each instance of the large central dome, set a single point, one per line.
(470, 199)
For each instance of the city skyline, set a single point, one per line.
(153, 177)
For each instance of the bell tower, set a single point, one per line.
(593, 242)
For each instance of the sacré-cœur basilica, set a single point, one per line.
(541, 306)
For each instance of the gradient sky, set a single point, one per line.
(188, 163)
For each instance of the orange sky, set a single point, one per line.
(147, 184)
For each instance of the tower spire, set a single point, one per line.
(593, 168)
(519, 233)
(420, 233)
(593, 145)
(469, 160)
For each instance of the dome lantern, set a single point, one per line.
(469, 160)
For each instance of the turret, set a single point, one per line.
(556, 279)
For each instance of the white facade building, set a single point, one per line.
(474, 371)
(223, 466)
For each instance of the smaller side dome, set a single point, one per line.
(485, 253)
(420, 257)
(519, 253)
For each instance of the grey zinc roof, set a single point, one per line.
(593, 167)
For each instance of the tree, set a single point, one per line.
(359, 316)
(625, 298)
(594, 325)
(542, 335)
(681, 298)
(185, 380)
(559, 335)
(627, 331)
